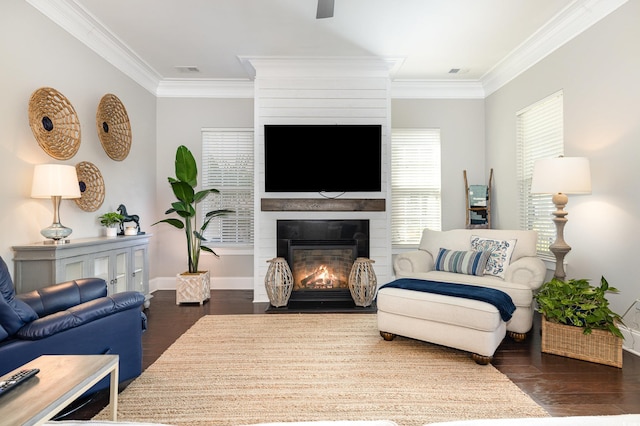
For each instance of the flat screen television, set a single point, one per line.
(323, 158)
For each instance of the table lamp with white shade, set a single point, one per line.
(55, 181)
(561, 176)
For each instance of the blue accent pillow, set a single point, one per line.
(462, 262)
(14, 313)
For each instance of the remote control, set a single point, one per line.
(12, 382)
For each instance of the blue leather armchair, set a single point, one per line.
(71, 318)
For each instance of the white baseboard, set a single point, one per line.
(631, 341)
(260, 298)
(217, 283)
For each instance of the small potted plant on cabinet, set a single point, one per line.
(110, 221)
(578, 323)
(192, 285)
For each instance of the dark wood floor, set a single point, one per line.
(561, 385)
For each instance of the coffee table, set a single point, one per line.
(62, 379)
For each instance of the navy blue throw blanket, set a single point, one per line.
(501, 300)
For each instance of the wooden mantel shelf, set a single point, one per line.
(323, 204)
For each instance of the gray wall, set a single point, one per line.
(36, 53)
(461, 124)
(179, 123)
(598, 72)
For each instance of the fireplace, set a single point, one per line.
(320, 254)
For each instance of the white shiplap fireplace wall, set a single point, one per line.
(320, 91)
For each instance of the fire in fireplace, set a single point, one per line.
(320, 277)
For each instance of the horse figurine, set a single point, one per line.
(128, 218)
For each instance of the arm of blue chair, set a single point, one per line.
(58, 297)
(80, 314)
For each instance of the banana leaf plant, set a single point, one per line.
(184, 188)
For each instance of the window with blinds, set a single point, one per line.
(539, 135)
(227, 165)
(415, 184)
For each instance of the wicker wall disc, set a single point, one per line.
(54, 123)
(114, 129)
(91, 187)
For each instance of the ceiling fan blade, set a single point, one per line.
(325, 9)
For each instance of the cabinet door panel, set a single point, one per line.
(121, 275)
(101, 267)
(139, 270)
(74, 271)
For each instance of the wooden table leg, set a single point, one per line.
(113, 394)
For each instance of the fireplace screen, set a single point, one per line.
(323, 266)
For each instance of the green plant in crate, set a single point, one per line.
(184, 189)
(575, 302)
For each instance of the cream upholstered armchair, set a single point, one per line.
(513, 267)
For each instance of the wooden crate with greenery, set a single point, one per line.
(600, 346)
(578, 323)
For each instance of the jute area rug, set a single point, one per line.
(243, 369)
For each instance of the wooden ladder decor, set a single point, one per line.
(478, 204)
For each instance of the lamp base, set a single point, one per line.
(57, 233)
(560, 248)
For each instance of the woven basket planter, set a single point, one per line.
(193, 287)
(600, 346)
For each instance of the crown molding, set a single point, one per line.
(205, 88)
(437, 89)
(400, 89)
(83, 26)
(576, 18)
(320, 66)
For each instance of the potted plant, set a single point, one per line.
(193, 285)
(578, 322)
(110, 221)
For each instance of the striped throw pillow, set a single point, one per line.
(462, 262)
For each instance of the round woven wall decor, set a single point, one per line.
(91, 187)
(114, 129)
(54, 123)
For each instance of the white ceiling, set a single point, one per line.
(487, 40)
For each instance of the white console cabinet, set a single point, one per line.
(123, 262)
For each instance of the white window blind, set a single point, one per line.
(227, 165)
(415, 184)
(539, 135)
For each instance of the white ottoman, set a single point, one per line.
(465, 324)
